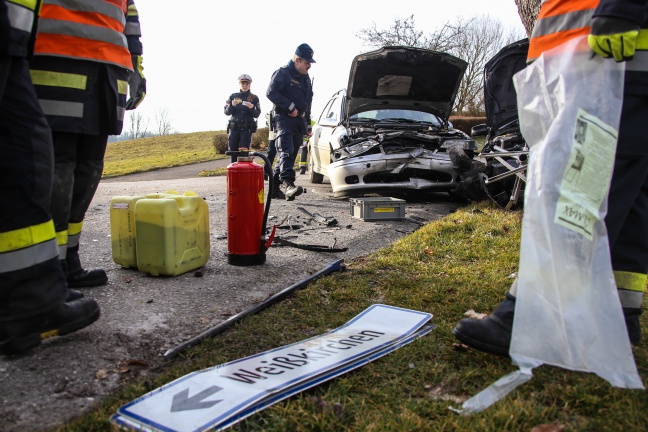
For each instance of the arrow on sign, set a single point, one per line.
(182, 401)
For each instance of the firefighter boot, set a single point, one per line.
(19, 336)
(290, 190)
(302, 170)
(492, 334)
(276, 191)
(71, 294)
(77, 276)
(631, 316)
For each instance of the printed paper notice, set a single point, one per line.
(587, 176)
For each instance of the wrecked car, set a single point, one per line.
(388, 130)
(505, 150)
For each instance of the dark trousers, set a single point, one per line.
(78, 165)
(238, 138)
(26, 166)
(287, 143)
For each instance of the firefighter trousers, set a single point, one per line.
(31, 280)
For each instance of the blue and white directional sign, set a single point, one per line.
(209, 398)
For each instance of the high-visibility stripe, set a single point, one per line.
(59, 79)
(73, 240)
(75, 228)
(62, 108)
(26, 237)
(101, 7)
(122, 86)
(20, 17)
(121, 111)
(571, 20)
(132, 10)
(29, 4)
(558, 7)
(83, 31)
(550, 41)
(77, 48)
(642, 40)
(639, 63)
(61, 237)
(28, 257)
(630, 299)
(132, 29)
(631, 281)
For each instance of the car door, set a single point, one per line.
(323, 132)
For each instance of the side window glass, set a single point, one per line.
(335, 110)
(325, 112)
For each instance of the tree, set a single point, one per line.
(163, 122)
(475, 40)
(528, 11)
(137, 127)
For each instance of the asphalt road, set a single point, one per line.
(144, 316)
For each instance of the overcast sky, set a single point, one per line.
(194, 50)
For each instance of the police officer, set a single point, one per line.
(87, 57)
(291, 92)
(618, 29)
(34, 299)
(243, 108)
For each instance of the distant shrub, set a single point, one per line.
(464, 124)
(220, 142)
(260, 139)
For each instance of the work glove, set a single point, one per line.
(137, 84)
(613, 37)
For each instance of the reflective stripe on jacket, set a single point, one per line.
(558, 22)
(85, 30)
(22, 16)
(26, 247)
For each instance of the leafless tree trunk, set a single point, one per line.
(137, 127)
(163, 122)
(528, 11)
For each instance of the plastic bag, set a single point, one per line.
(567, 311)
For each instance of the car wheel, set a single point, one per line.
(314, 177)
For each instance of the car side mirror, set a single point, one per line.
(479, 130)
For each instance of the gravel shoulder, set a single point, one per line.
(144, 316)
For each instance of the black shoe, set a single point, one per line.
(20, 336)
(302, 171)
(73, 295)
(87, 278)
(277, 193)
(492, 334)
(291, 191)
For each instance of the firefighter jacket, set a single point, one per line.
(561, 20)
(18, 27)
(242, 117)
(289, 89)
(82, 59)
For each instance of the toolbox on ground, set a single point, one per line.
(162, 234)
(377, 208)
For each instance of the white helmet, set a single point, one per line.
(245, 77)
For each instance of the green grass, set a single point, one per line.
(461, 262)
(146, 154)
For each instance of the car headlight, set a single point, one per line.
(466, 144)
(360, 147)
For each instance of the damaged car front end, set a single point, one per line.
(389, 130)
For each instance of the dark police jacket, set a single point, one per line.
(289, 89)
(243, 117)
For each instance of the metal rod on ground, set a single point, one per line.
(333, 267)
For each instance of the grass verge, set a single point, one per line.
(447, 267)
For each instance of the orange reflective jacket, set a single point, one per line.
(86, 30)
(558, 22)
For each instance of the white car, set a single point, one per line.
(389, 129)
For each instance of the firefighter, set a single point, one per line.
(291, 93)
(616, 29)
(243, 108)
(34, 298)
(87, 57)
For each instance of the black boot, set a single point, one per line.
(632, 324)
(19, 336)
(290, 190)
(73, 295)
(77, 276)
(492, 334)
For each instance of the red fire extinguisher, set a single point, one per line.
(246, 217)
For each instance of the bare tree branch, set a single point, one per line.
(163, 122)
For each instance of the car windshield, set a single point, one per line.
(397, 115)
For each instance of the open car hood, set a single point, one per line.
(499, 92)
(404, 78)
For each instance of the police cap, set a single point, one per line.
(306, 52)
(245, 77)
